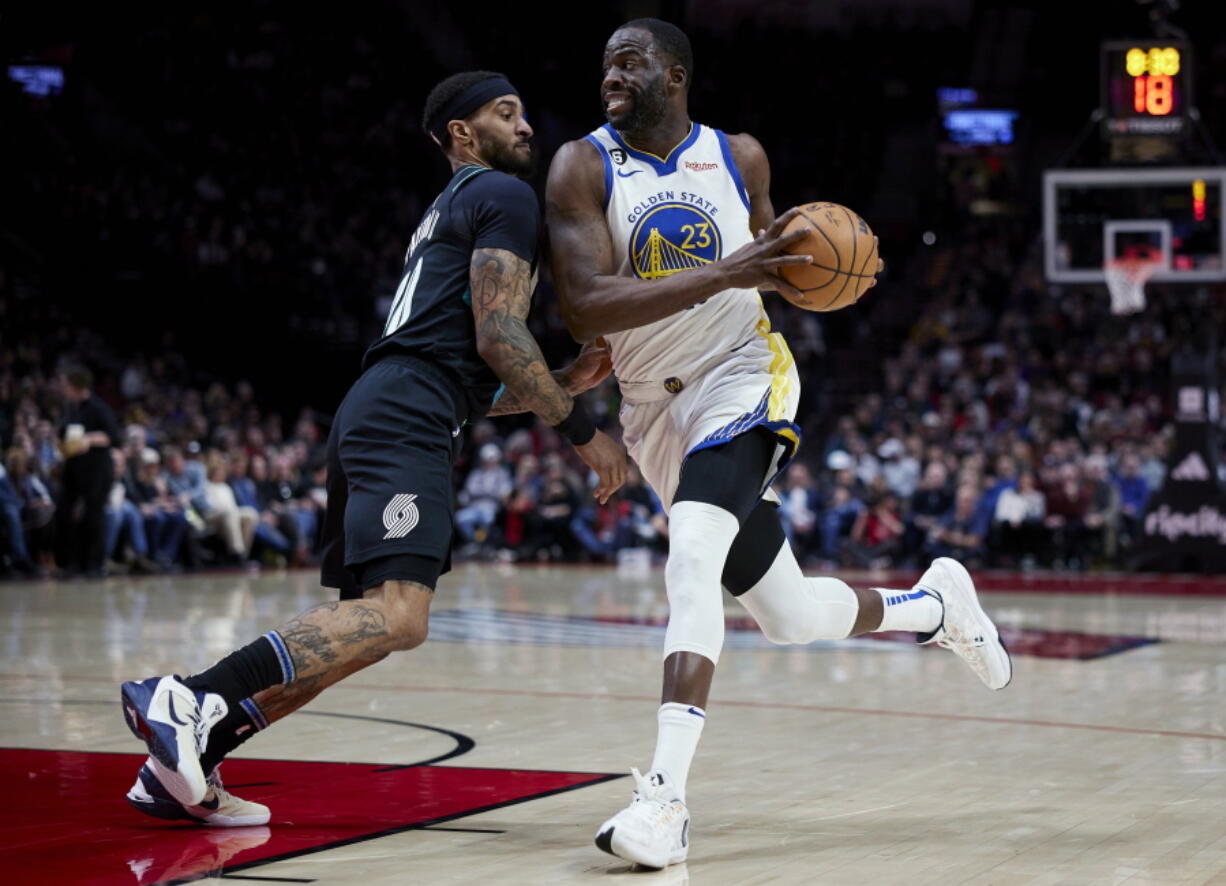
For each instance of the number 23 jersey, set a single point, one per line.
(667, 216)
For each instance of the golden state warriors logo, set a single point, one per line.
(673, 237)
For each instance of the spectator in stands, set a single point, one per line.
(900, 469)
(521, 522)
(486, 490)
(1102, 519)
(45, 449)
(647, 521)
(312, 501)
(89, 430)
(279, 495)
(557, 509)
(12, 530)
(930, 503)
(165, 520)
(799, 510)
(602, 529)
(837, 520)
(187, 485)
(1134, 494)
(233, 523)
(136, 440)
(864, 463)
(1004, 477)
(876, 535)
(958, 535)
(37, 509)
(1068, 504)
(1020, 511)
(267, 539)
(125, 520)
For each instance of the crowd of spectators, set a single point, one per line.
(143, 473)
(1032, 437)
(963, 407)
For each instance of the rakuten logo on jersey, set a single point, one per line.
(693, 166)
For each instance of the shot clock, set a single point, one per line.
(1146, 87)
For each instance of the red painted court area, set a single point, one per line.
(65, 821)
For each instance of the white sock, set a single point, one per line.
(677, 739)
(912, 610)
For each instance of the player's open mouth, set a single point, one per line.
(616, 102)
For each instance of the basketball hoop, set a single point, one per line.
(1127, 276)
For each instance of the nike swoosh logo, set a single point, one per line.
(628, 174)
(170, 706)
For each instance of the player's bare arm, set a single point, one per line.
(502, 296)
(594, 300)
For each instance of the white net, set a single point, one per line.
(1126, 279)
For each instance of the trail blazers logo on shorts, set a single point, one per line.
(400, 516)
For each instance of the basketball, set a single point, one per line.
(844, 257)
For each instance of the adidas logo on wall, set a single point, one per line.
(1191, 468)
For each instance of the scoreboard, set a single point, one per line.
(1146, 87)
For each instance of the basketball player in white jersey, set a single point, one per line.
(651, 221)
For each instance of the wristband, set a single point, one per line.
(577, 427)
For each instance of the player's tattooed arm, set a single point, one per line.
(502, 295)
(589, 369)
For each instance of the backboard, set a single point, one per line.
(1091, 216)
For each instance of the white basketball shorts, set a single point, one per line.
(754, 385)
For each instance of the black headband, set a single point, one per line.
(468, 101)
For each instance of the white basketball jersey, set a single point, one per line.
(668, 216)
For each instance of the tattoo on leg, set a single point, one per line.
(326, 634)
(364, 622)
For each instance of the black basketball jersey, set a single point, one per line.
(431, 316)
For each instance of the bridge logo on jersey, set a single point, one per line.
(673, 237)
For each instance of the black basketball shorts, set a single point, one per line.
(390, 456)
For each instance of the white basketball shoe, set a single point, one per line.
(218, 808)
(965, 628)
(654, 830)
(174, 722)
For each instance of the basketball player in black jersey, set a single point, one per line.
(455, 347)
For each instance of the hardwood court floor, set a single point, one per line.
(868, 761)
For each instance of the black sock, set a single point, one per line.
(244, 672)
(244, 720)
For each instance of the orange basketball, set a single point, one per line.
(844, 257)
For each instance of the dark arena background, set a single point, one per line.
(206, 209)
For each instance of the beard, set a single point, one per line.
(506, 157)
(648, 107)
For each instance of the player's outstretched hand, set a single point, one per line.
(607, 458)
(590, 368)
(756, 265)
(880, 264)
